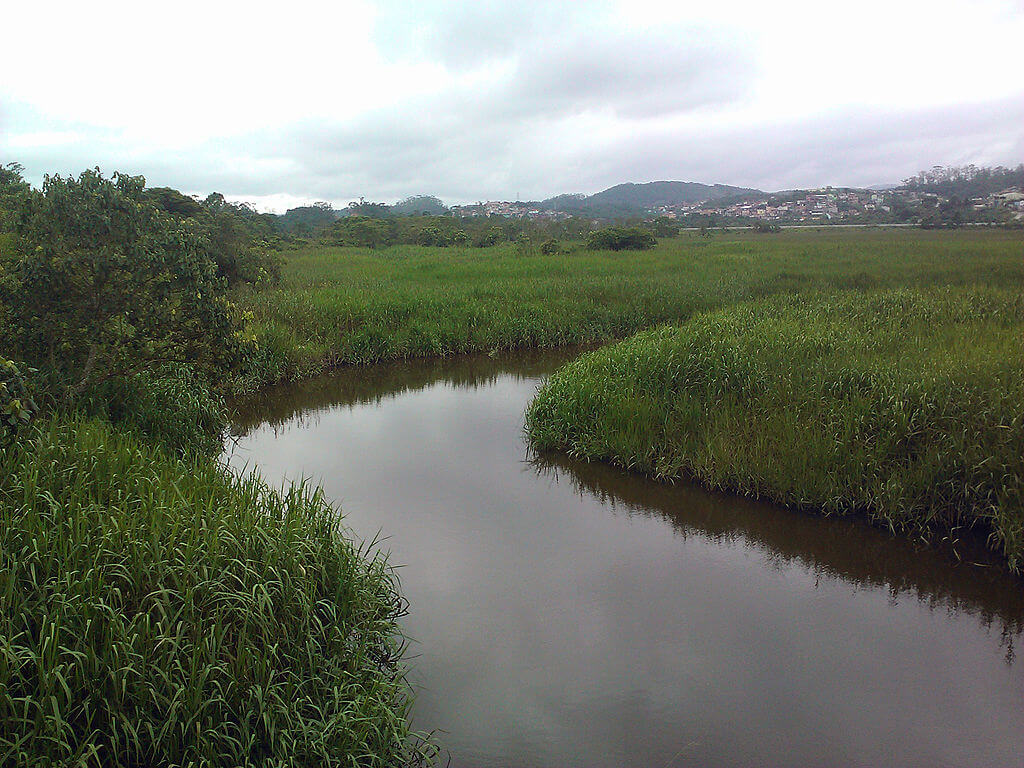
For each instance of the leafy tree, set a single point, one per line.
(489, 237)
(237, 241)
(372, 210)
(362, 231)
(308, 220)
(16, 404)
(620, 238)
(13, 190)
(174, 202)
(419, 205)
(237, 237)
(663, 226)
(105, 284)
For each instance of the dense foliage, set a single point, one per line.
(17, 407)
(101, 284)
(159, 611)
(905, 405)
(620, 239)
(965, 182)
(155, 610)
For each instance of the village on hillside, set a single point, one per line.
(828, 205)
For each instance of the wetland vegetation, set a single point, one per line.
(141, 584)
(349, 306)
(905, 405)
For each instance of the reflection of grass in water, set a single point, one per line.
(833, 547)
(155, 609)
(356, 385)
(353, 306)
(906, 405)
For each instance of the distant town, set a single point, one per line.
(827, 205)
(942, 197)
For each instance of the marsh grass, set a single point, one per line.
(159, 611)
(340, 306)
(905, 405)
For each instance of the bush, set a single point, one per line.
(156, 611)
(767, 227)
(620, 239)
(489, 237)
(17, 408)
(550, 247)
(171, 405)
(106, 285)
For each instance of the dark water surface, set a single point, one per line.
(573, 615)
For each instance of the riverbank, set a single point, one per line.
(904, 405)
(584, 609)
(352, 306)
(161, 608)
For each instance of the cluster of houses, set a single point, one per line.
(510, 210)
(837, 205)
(832, 205)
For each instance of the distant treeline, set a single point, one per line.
(966, 181)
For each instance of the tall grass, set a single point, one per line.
(354, 306)
(157, 611)
(905, 405)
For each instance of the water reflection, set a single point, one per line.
(297, 405)
(959, 575)
(571, 614)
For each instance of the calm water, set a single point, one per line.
(572, 615)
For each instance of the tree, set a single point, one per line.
(663, 226)
(620, 238)
(419, 205)
(105, 284)
(13, 190)
(16, 404)
(362, 231)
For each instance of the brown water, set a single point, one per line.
(573, 615)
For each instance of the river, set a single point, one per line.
(565, 614)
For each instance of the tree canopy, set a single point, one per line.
(102, 283)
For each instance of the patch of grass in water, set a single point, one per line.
(905, 405)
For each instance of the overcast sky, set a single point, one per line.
(282, 103)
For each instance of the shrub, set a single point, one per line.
(620, 239)
(106, 284)
(172, 405)
(550, 247)
(17, 408)
(489, 237)
(155, 611)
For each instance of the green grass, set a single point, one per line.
(906, 405)
(158, 611)
(354, 306)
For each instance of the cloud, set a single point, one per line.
(484, 101)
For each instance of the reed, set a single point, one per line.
(156, 610)
(339, 306)
(905, 405)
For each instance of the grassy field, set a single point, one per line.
(352, 306)
(156, 610)
(906, 405)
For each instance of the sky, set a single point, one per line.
(281, 104)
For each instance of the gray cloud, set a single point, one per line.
(538, 98)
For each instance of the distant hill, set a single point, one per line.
(628, 199)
